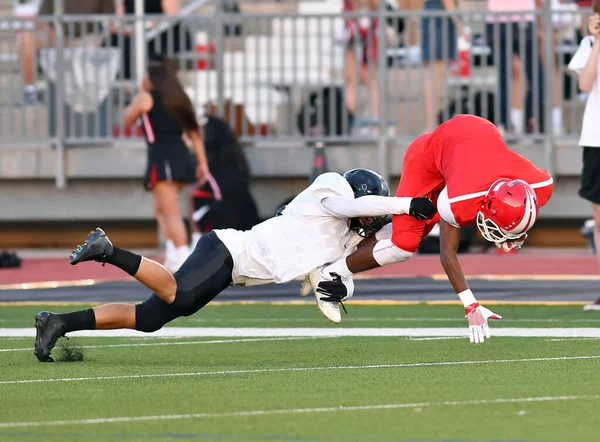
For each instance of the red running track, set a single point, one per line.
(526, 263)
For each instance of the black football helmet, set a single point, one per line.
(366, 182)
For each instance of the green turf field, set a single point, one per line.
(270, 388)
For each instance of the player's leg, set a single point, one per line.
(203, 276)
(596, 305)
(597, 231)
(590, 190)
(417, 180)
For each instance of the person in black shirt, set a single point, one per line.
(167, 114)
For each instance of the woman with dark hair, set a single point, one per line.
(167, 115)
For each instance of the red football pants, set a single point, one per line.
(418, 178)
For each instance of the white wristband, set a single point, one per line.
(467, 297)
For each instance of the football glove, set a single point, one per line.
(337, 288)
(422, 208)
(477, 317)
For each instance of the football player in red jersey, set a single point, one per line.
(466, 169)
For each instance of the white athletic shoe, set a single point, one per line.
(330, 309)
(306, 287)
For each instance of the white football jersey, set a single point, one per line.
(303, 238)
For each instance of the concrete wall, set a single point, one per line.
(105, 182)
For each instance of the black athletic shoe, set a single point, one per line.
(97, 247)
(49, 327)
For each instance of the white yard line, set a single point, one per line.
(298, 369)
(155, 344)
(249, 413)
(271, 332)
(380, 319)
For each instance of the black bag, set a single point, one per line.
(319, 110)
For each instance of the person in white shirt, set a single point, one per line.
(586, 63)
(322, 224)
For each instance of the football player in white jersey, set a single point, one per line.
(323, 223)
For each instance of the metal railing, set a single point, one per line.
(315, 75)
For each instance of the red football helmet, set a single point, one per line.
(508, 211)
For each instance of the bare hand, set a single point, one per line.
(202, 173)
(594, 25)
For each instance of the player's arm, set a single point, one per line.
(142, 103)
(449, 240)
(476, 314)
(374, 205)
(373, 252)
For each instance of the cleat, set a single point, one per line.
(97, 248)
(306, 287)
(49, 328)
(328, 307)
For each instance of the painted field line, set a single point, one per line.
(373, 319)
(296, 369)
(165, 417)
(517, 277)
(54, 284)
(376, 302)
(261, 332)
(170, 343)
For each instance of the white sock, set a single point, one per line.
(557, 117)
(516, 118)
(169, 250)
(195, 238)
(181, 253)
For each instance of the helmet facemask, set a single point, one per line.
(367, 226)
(491, 232)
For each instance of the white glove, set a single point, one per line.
(477, 316)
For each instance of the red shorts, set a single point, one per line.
(419, 178)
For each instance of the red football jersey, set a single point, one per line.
(471, 155)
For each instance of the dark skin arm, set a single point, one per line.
(449, 240)
(362, 259)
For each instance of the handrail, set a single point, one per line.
(169, 19)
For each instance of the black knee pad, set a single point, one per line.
(153, 313)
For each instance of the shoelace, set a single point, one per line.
(80, 247)
(334, 298)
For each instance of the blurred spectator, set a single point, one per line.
(361, 55)
(167, 114)
(438, 46)
(225, 200)
(586, 62)
(563, 25)
(28, 43)
(168, 43)
(510, 29)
